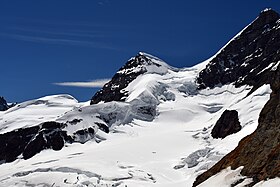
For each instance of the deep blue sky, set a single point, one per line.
(43, 42)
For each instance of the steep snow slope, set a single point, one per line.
(170, 147)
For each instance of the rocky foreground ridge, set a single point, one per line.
(259, 152)
(259, 46)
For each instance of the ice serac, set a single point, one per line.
(247, 59)
(114, 90)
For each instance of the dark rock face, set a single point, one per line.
(245, 59)
(27, 142)
(259, 152)
(102, 127)
(84, 135)
(3, 104)
(114, 89)
(227, 124)
(30, 141)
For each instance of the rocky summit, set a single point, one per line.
(114, 89)
(3, 104)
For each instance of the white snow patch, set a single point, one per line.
(266, 10)
(34, 112)
(274, 68)
(269, 183)
(225, 178)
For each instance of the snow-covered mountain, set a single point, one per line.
(156, 125)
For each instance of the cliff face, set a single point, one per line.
(248, 58)
(259, 152)
(30, 141)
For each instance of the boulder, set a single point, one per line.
(227, 124)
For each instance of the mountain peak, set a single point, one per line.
(142, 63)
(148, 60)
(267, 16)
(268, 12)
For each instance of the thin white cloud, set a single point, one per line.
(52, 32)
(87, 84)
(61, 41)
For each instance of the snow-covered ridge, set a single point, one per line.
(148, 63)
(266, 10)
(34, 112)
(158, 61)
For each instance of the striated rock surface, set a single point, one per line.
(259, 152)
(227, 124)
(249, 58)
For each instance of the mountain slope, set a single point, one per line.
(259, 152)
(249, 58)
(159, 152)
(151, 124)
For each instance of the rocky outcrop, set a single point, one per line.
(30, 141)
(114, 89)
(3, 104)
(259, 152)
(249, 58)
(227, 124)
(27, 142)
